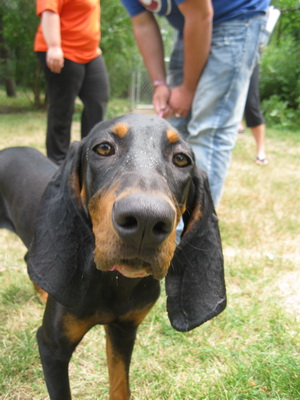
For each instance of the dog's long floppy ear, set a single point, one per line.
(59, 257)
(195, 282)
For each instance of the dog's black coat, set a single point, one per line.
(109, 213)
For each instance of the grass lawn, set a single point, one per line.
(250, 352)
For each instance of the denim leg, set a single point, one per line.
(220, 97)
(94, 94)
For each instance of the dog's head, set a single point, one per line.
(115, 204)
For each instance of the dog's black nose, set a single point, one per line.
(143, 219)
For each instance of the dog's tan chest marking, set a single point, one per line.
(75, 328)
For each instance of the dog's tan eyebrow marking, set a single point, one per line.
(172, 136)
(120, 129)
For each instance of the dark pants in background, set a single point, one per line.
(253, 113)
(87, 81)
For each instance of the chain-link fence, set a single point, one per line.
(141, 86)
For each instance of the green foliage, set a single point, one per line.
(280, 82)
(280, 72)
(20, 22)
(276, 112)
(117, 45)
(288, 23)
(280, 68)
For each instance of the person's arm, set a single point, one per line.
(51, 32)
(149, 41)
(198, 17)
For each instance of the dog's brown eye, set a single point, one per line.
(181, 160)
(105, 149)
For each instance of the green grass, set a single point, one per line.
(250, 352)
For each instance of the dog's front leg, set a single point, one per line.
(57, 339)
(120, 337)
(55, 366)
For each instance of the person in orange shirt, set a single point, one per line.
(67, 46)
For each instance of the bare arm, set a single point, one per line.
(149, 41)
(197, 40)
(51, 32)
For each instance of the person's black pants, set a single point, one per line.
(253, 113)
(89, 82)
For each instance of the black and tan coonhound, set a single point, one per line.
(101, 234)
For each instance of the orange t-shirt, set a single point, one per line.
(79, 25)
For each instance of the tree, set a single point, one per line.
(19, 23)
(118, 46)
(5, 65)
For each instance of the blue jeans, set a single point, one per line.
(221, 93)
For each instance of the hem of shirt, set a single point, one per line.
(67, 56)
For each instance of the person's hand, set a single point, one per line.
(160, 101)
(55, 59)
(181, 101)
